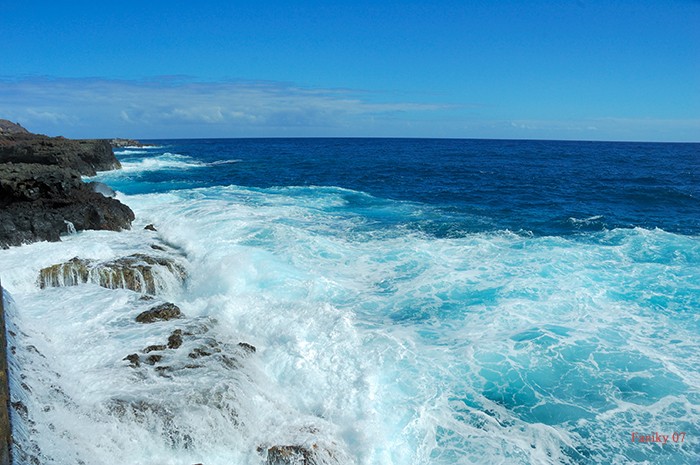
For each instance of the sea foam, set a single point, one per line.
(380, 339)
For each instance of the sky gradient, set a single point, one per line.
(585, 70)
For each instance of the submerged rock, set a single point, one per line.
(154, 348)
(247, 347)
(139, 272)
(133, 359)
(289, 455)
(175, 339)
(162, 312)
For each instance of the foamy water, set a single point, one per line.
(378, 344)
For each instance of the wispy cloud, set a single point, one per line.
(609, 128)
(180, 106)
(168, 106)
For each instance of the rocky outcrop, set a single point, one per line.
(162, 312)
(41, 192)
(139, 272)
(8, 127)
(299, 455)
(39, 202)
(85, 156)
(121, 143)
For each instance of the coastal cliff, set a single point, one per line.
(41, 192)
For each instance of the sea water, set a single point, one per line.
(411, 302)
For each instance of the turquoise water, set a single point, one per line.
(425, 302)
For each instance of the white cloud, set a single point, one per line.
(166, 107)
(176, 106)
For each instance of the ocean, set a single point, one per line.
(411, 301)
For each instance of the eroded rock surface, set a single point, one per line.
(138, 272)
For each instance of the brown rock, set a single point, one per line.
(162, 312)
(137, 272)
(175, 339)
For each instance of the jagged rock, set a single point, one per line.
(38, 202)
(200, 352)
(175, 339)
(150, 227)
(134, 359)
(289, 455)
(138, 272)
(85, 156)
(154, 348)
(162, 312)
(8, 127)
(247, 347)
(118, 143)
(153, 359)
(41, 193)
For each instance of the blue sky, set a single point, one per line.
(590, 70)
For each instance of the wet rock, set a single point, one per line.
(154, 348)
(175, 339)
(289, 455)
(158, 247)
(162, 312)
(38, 202)
(164, 371)
(247, 347)
(41, 192)
(21, 410)
(153, 359)
(150, 227)
(138, 272)
(200, 352)
(134, 359)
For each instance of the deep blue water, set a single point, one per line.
(537, 187)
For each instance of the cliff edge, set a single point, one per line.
(41, 192)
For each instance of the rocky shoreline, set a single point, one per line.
(42, 195)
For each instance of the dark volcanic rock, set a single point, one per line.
(37, 202)
(134, 359)
(121, 143)
(247, 347)
(289, 455)
(175, 339)
(85, 156)
(162, 312)
(41, 193)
